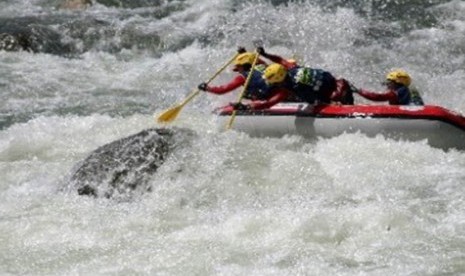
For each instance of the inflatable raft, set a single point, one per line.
(441, 128)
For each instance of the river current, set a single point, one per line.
(229, 204)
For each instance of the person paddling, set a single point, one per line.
(398, 90)
(282, 85)
(287, 80)
(257, 88)
(310, 84)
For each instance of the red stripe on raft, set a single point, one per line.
(429, 112)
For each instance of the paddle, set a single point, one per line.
(246, 84)
(170, 114)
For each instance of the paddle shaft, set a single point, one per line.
(241, 95)
(170, 114)
(197, 91)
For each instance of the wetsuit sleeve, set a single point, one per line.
(389, 95)
(223, 89)
(278, 95)
(280, 60)
(261, 61)
(338, 94)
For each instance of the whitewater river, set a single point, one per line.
(229, 204)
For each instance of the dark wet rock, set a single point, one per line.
(14, 42)
(27, 34)
(131, 3)
(124, 167)
(71, 34)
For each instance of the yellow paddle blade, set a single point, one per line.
(169, 115)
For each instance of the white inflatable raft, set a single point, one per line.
(440, 127)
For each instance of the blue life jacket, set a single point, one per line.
(408, 96)
(311, 84)
(257, 88)
(403, 95)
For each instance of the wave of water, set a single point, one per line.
(346, 205)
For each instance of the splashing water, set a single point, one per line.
(228, 204)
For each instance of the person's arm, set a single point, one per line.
(389, 95)
(279, 95)
(225, 88)
(277, 59)
(342, 87)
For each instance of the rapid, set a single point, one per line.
(228, 204)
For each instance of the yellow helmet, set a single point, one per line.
(244, 58)
(275, 73)
(400, 77)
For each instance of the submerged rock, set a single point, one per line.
(132, 4)
(12, 42)
(124, 167)
(26, 34)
